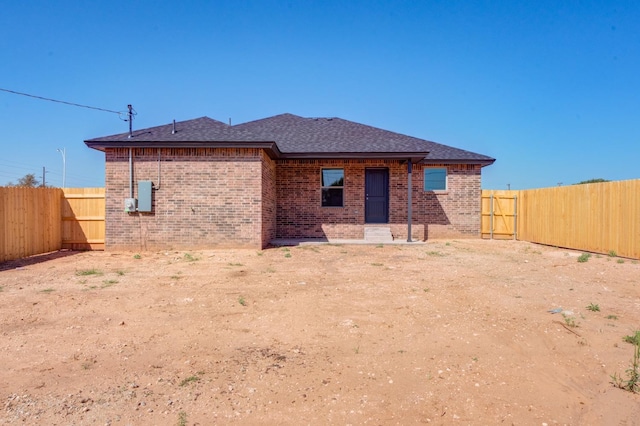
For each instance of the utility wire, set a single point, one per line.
(62, 102)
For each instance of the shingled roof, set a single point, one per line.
(300, 137)
(196, 133)
(291, 136)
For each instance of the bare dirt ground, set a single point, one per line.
(450, 332)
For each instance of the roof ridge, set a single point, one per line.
(284, 114)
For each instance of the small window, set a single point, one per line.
(332, 187)
(435, 179)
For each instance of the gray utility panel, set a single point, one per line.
(145, 195)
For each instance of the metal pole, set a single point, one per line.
(64, 165)
(409, 219)
(130, 174)
(130, 120)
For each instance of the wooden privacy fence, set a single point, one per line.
(595, 217)
(29, 221)
(41, 220)
(83, 218)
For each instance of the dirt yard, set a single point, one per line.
(449, 332)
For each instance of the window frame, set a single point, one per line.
(324, 188)
(445, 180)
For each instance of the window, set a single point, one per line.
(435, 179)
(332, 187)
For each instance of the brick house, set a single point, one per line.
(202, 183)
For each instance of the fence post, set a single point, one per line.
(491, 217)
(515, 217)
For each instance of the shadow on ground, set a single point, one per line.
(38, 258)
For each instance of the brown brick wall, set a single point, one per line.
(241, 198)
(452, 213)
(206, 198)
(299, 213)
(268, 199)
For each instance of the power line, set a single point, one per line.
(120, 113)
(25, 167)
(34, 169)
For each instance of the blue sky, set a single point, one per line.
(550, 89)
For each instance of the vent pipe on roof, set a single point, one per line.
(229, 121)
(173, 132)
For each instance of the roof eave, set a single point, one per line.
(481, 162)
(414, 156)
(270, 147)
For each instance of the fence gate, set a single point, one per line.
(83, 218)
(499, 214)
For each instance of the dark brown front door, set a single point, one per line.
(376, 187)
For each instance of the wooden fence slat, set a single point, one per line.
(71, 218)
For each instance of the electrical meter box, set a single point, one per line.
(129, 205)
(145, 192)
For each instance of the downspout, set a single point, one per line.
(130, 173)
(409, 190)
